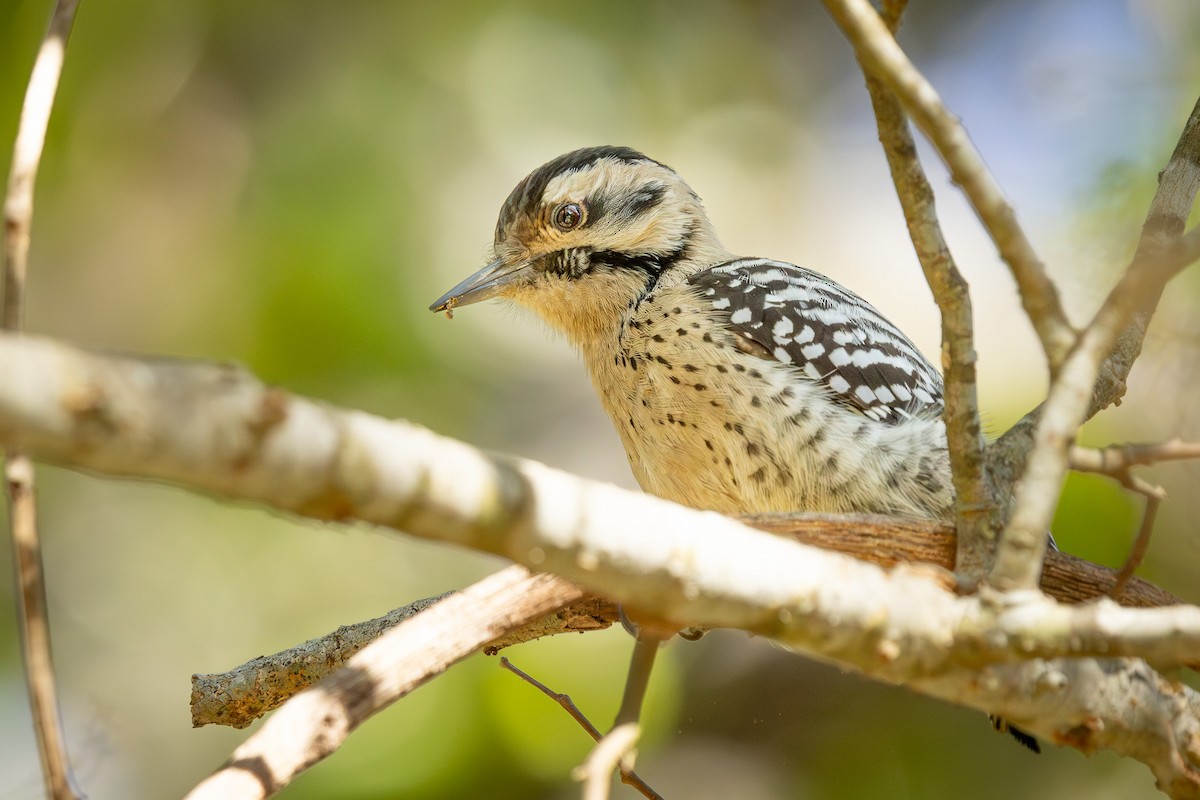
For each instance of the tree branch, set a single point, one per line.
(878, 51)
(312, 725)
(32, 608)
(245, 693)
(216, 428)
(1023, 545)
(1178, 184)
(1119, 458)
(973, 498)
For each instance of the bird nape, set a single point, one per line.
(736, 384)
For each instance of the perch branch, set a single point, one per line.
(215, 428)
(243, 694)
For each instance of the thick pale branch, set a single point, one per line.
(878, 51)
(216, 428)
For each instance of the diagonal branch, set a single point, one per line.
(243, 694)
(1178, 184)
(973, 498)
(32, 608)
(316, 722)
(628, 776)
(877, 50)
(1023, 545)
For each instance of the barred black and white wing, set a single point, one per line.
(829, 333)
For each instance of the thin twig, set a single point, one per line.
(1138, 551)
(1022, 548)
(882, 56)
(1113, 458)
(974, 500)
(1118, 462)
(32, 609)
(628, 776)
(1178, 184)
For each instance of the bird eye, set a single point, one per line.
(567, 216)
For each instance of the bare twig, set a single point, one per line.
(32, 611)
(628, 776)
(242, 695)
(1118, 462)
(1140, 545)
(1022, 547)
(973, 497)
(1178, 184)
(1177, 187)
(314, 724)
(1121, 457)
(563, 700)
(878, 52)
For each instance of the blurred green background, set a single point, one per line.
(289, 184)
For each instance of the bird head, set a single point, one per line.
(584, 236)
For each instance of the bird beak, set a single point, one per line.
(484, 284)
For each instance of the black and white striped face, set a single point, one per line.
(598, 206)
(598, 225)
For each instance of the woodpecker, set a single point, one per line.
(736, 384)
